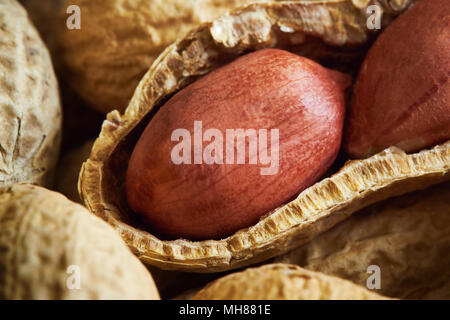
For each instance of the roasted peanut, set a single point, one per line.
(211, 191)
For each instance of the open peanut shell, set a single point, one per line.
(334, 33)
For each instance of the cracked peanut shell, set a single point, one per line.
(283, 282)
(44, 235)
(408, 238)
(30, 111)
(333, 33)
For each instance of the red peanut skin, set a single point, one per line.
(402, 94)
(267, 89)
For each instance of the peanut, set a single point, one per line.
(268, 89)
(402, 94)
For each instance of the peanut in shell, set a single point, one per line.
(120, 39)
(333, 33)
(46, 238)
(30, 111)
(283, 282)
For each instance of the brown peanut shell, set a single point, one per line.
(408, 238)
(333, 33)
(283, 282)
(43, 234)
(30, 111)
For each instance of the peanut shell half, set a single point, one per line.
(30, 111)
(283, 282)
(408, 238)
(333, 33)
(46, 241)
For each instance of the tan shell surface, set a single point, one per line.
(46, 240)
(333, 33)
(407, 237)
(120, 39)
(69, 170)
(30, 111)
(283, 282)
